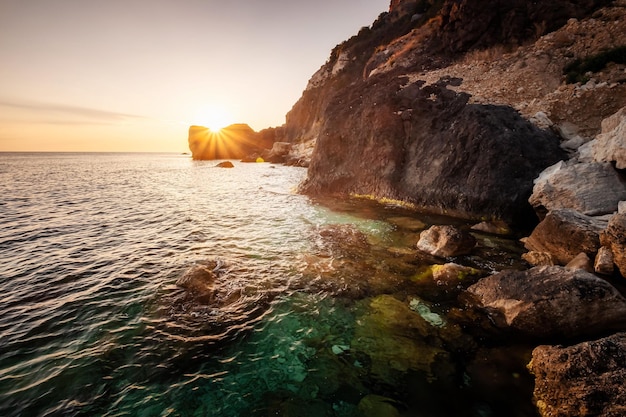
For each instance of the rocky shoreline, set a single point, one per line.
(494, 125)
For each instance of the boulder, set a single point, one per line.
(614, 237)
(550, 301)
(587, 379)
(198, 281)
(493, 227)
(539, 258)
(604, 263)
(610, 145)
(590, 188)
(565, 234)
(446, 241)
(426, 145)
(278, 153)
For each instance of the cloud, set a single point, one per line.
(54, 113)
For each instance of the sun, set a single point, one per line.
(213, 117)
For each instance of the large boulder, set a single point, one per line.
(566, 233)
(610, 145)
(614, 237)
(587, 379)
(424, 144)
(591, 188)
(551, 301)
(446, 241)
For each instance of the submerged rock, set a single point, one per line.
(378, 406)
(548, 302)
(587, 379)
(446, 241)
(199, 281)
(225, 164)
(566, 233)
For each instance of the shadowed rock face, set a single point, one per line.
(232, 142)
(426, 145)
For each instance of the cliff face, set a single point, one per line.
(433, 103)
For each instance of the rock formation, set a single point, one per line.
(232, 142)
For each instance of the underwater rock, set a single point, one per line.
(446, 241)
(449, 275)
(378, 406)
(407, 223)
(198, 281)
(565, 234)
(551, 301)
(394, 338)
(587, 379)
(423, 310)
(493, 227)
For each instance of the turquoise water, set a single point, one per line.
(315, 309)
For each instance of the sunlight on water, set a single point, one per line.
(154, 285)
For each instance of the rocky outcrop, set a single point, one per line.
(551, 302)
(425, 145)
(590, 188)
(446, 241)
(610, 145)
(566, 233)
(587, 379)
(232, 142)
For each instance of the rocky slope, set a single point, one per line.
(409, 108)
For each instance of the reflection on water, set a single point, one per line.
(284, 306)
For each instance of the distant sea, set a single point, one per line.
(92, 322)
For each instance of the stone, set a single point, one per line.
(590, 188)
(446, 241)
(536, 258)
(550, 302)
(581, 261)
(199, 281)
(614, 237)
(610, 145)
(566, 233)
(604, 263)
(407, 223)
(278, 153)
(586, 379)
(225, 164)
(493, 227)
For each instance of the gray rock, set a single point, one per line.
(551, 301)
(565, 234)
(590, 188)
(587, 379)
(610, 145)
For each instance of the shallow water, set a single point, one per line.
(310, 314)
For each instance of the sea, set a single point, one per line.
(313, 307)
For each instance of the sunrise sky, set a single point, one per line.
(132, 75)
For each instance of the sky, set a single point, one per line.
(133, 75)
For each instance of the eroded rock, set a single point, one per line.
(610, 145)
(565, 234)
(615, 238)
(551, 301)
(589, 188)
(587, 379)
(604, 263)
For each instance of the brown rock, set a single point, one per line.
(539, 258)
(604, 263)
(225, 164)
(587, 379)
(551, 301)
(581, 261)
(446, 241)
(565, 234)
(614, 237)
(198, 281)
(494, 227)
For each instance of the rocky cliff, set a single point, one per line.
(457, 105)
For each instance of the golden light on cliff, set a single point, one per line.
(213, 117)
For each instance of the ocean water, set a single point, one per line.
(316, 308)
